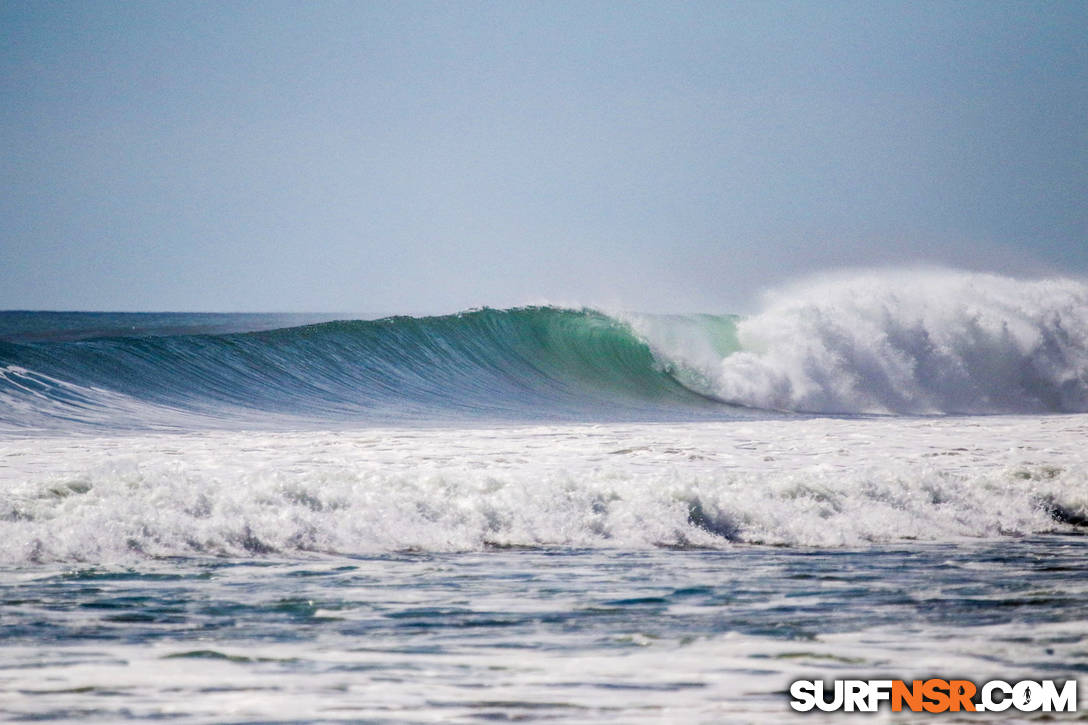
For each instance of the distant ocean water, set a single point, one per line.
(543, 513)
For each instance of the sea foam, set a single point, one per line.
(899, 342)
(914, 342)
(794, 482)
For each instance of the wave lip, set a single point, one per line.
(537, 363)
(892, 342)
(911, 342)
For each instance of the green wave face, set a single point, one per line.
(911, 343)
(537, 363)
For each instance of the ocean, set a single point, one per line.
(544, 513)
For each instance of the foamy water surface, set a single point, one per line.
(620, 573)
(543, 514)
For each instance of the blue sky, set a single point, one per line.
(428, 157)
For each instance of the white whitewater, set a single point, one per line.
(899, 341)
(809, 482)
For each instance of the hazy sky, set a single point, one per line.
(427, 157)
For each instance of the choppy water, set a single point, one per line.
(557, 634)
(542, 514)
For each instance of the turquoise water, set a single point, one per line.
(521, 365)
(540, 514)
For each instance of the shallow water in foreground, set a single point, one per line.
(542, 514)
(549, 634)
(576, 573)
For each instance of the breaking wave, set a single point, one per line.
(903, 343)
(887, 343)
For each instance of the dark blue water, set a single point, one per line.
(109, 370)
(40, 326)
(527, 515)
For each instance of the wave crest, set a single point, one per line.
(520, 364)
(904, 342)
(914, 342)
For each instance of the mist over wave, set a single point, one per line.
(336, 471)
(898, 342)
(913, 342)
